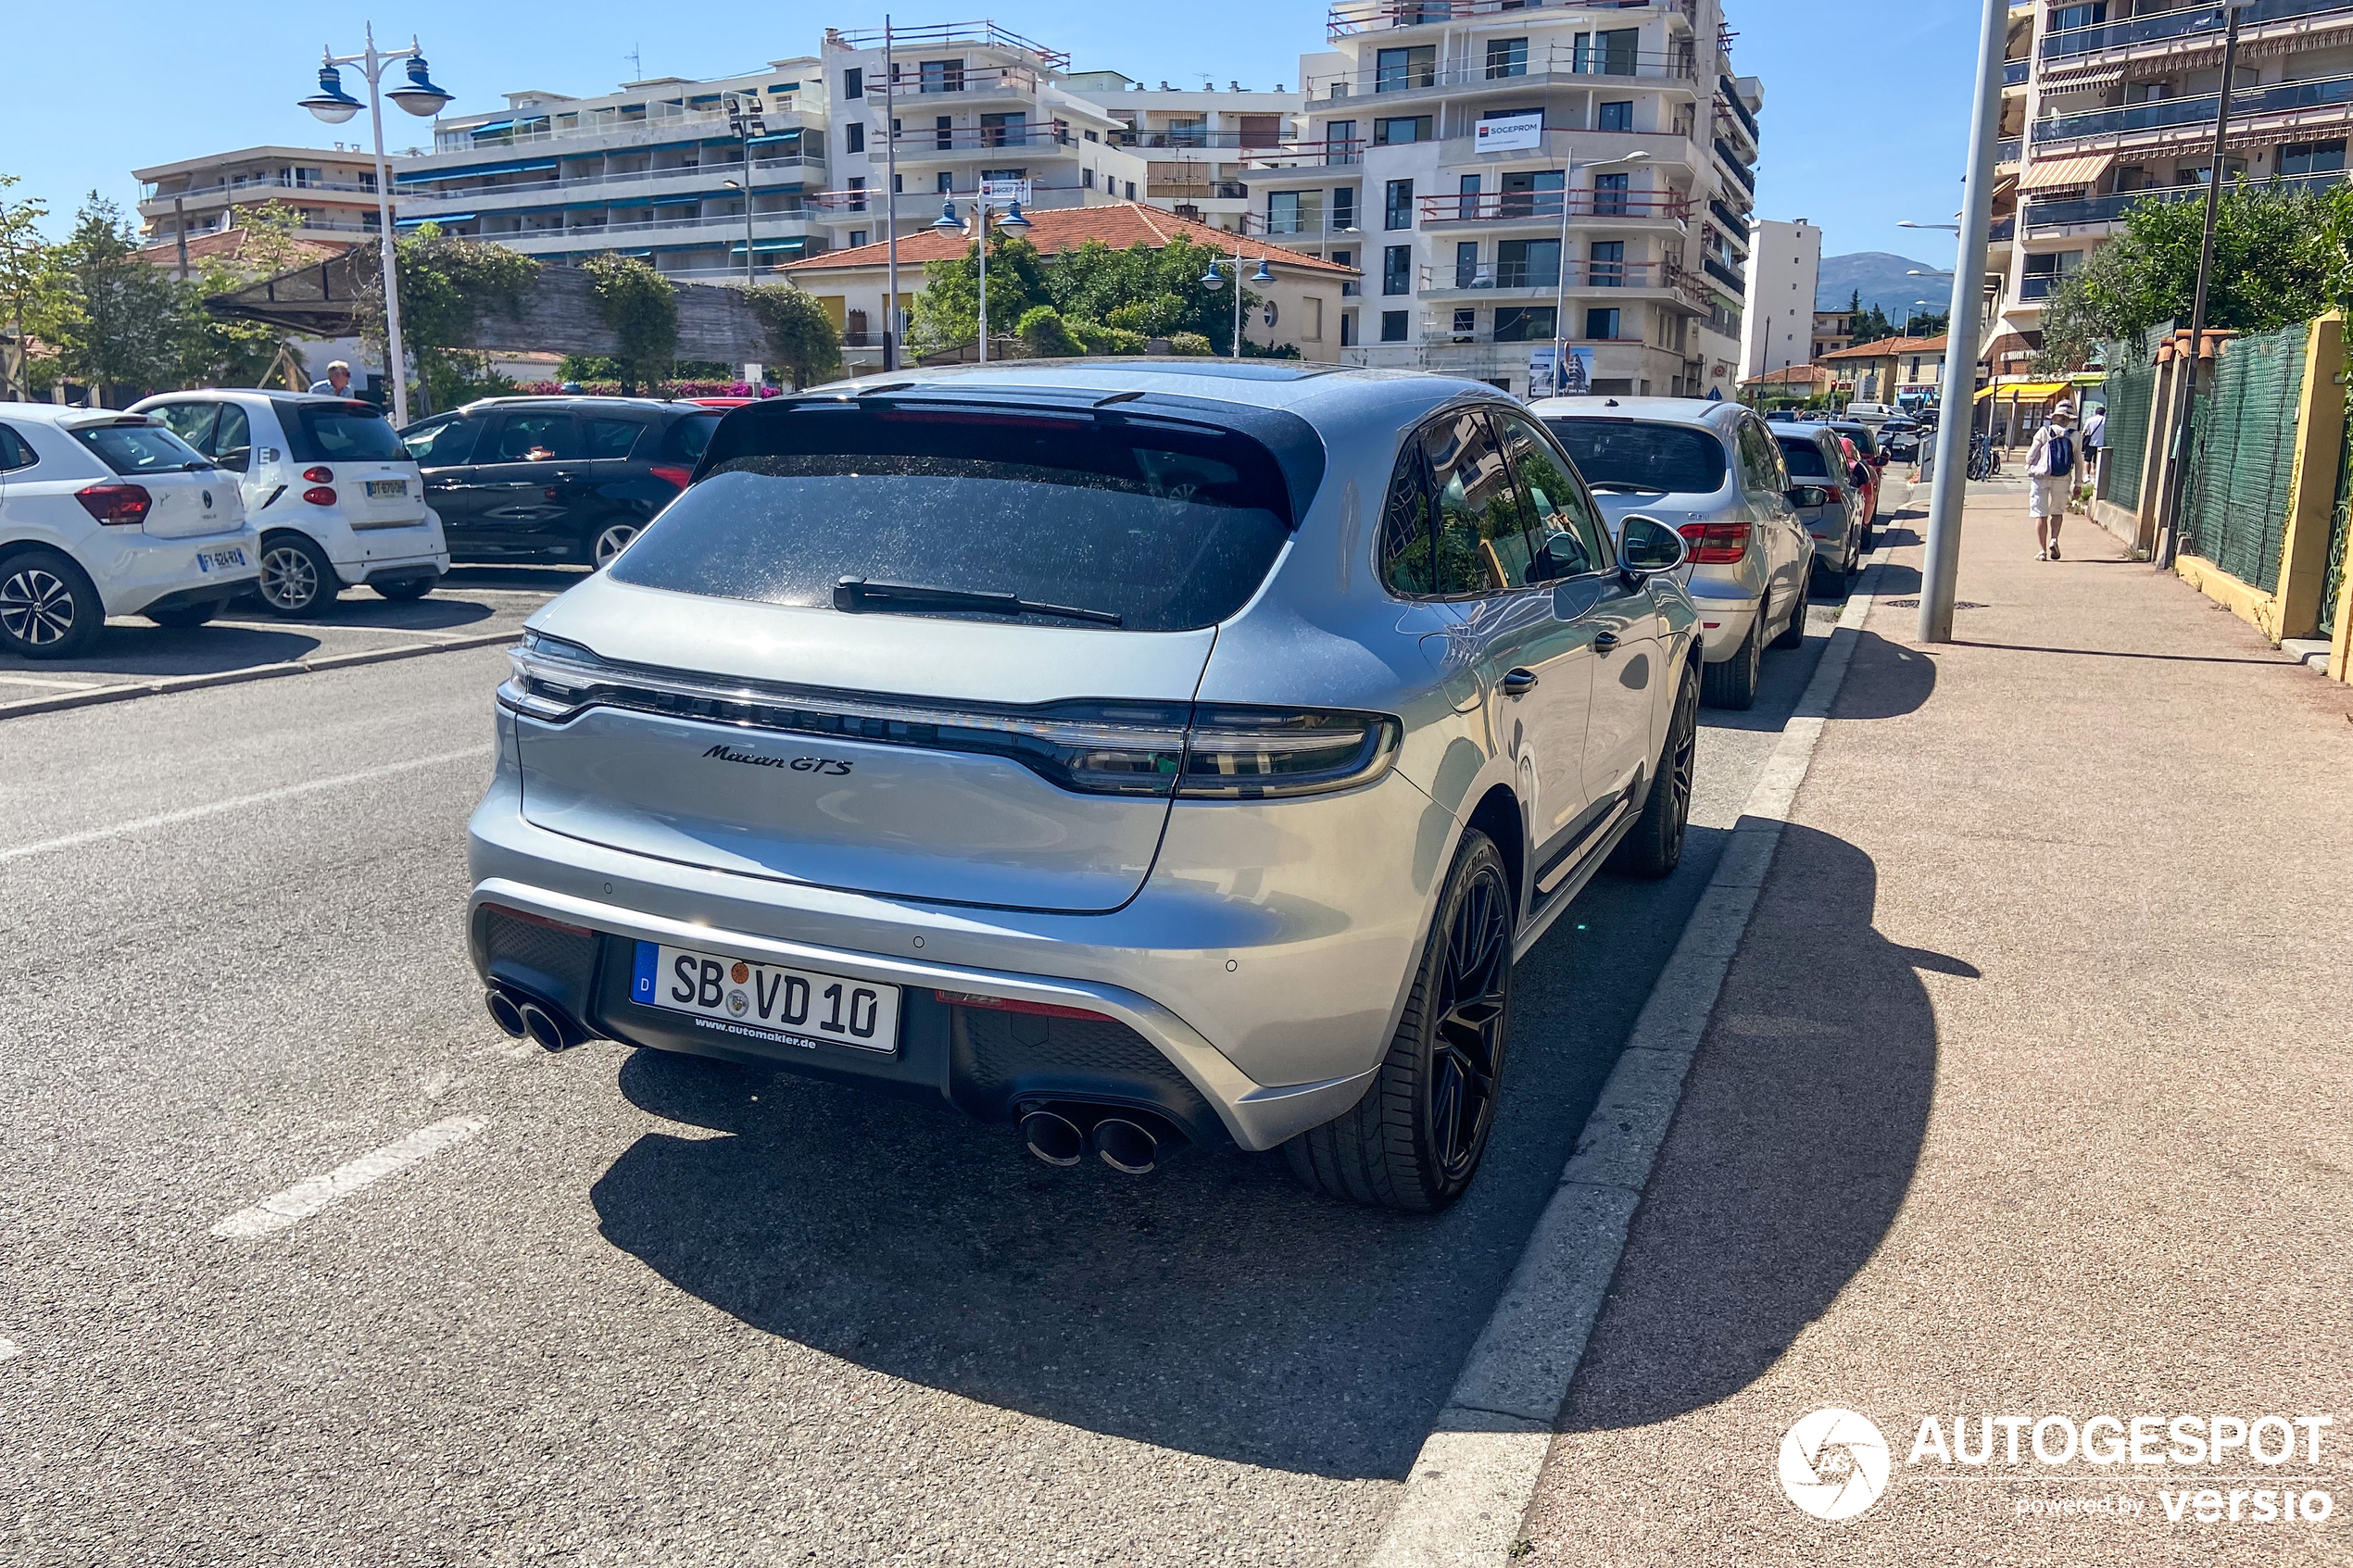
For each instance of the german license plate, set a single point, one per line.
(209, 561)
(387, 489)
(761, 1001)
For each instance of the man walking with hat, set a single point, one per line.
(2053, 466)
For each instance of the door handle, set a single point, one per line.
(1518, 683)
(1604, 639)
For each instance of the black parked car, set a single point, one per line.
(555, 479)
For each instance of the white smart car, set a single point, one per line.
(107, 513)
(338, 499)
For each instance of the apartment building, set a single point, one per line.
(2108, 104)
(1784, 273)
(1198, 144)
(332, 191)
(1834, 330)
(1501, 170)
(660, 169)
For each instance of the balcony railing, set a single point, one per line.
(2037, 285)
(1582, 275)
(1448, 337)
(914, 82)
(1740, 110)
(773, 167)
(1334, 153)
(2165, 113)
(836, 206)
(984, 139)
(1156, 141)
(2002, 228)
(2009, 149)
(643, 225)
(2014, 72)
(1733, 223)
(240, 187)
(1732, 161)
(1554, 63)
(943, 35)
(1509, 207)
(1375, 16)
(2108, 209)
(1728, 276)
(2182, 24)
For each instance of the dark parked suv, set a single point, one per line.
(555, 479)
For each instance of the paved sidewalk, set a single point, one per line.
(2027, 1095)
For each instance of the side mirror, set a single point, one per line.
(1860, 474)
(1804, 496)
(1647, 545)
(236, 458)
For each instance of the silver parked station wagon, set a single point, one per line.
(1140, 753)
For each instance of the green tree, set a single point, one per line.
(124, 324)
(1152, 291)
(946, 313)
(1043, 333)
(802, 340)
(641, 308)
(447, 283)
(33, 286)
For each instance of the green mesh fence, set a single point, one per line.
(2234, 507)
(2333, 576)
(2131, 387)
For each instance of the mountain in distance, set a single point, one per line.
(1882, 278)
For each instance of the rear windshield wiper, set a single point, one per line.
(860, 593)
(1623, 487)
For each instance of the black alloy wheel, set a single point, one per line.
(1466, 1055)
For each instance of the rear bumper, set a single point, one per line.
(134, 572)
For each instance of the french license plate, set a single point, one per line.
(761, 1001)
(208, 561)
(387, 489)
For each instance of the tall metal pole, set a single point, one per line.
(1560, 280)
(747, 212)
(2186, 434)
(890, 197)
(1943, 553)
(980, 222)
(1238, 294)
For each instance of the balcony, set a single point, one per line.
(1532, 280)
(1554, 65)
(2183, 23)
(1302, 157)
(657, 120)
(2168, 113)
(1666, 149)
(2110, 208)
(1739, 111)
(1735, 226)
(2009, 149)
(1351, 17)
(260, 188)
(928, 146)
(2002, 228)
(919, 210)
(946, 36)
(1728, 276)
(2014, 72)
(2037, 285)
(965, 82)
(778, 169)
(1520, 207)
(1739, 171)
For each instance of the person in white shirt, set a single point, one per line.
(2053, 466)
(337, 383)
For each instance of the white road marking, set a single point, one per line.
(306, 1198)
(59, 686)
(235, 803)
(349, 626)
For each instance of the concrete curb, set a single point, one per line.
(1477, 1472)
(129, 690)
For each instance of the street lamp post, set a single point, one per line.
(890, 198)
(417, 96)
(1560, 268)
(947, 223)
(745, 119)
(745, 186)
(1213, 280)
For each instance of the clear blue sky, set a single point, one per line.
(1865, 104)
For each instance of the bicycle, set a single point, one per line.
(1984, 462)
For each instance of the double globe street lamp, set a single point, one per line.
(948, 223)
(1213, 280)
(419, 96)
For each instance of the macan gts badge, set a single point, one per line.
(1141, 754)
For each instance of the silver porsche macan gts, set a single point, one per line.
(1140, 753)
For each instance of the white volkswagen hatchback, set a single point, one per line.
(107, 513)
(338, 499)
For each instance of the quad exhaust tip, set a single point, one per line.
(1126, 1146)
(525, 1017)
(546, 1030)
(1053, 1138)
(506, 1014)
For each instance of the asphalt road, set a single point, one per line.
(644, 1308)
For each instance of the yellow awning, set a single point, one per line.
(2025, 392)
(2065, 174)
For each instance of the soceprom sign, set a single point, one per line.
(1509, 134)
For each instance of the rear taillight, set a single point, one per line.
(1009, 1004)
(1090, 747)
(1715, 544)
(116, 505)
(319, 496)
(669, 475)
(319, 475)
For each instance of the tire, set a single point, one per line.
(187, 617)
(608, 539)
(1416, 1139)
(1655, 846)
(1794, 632)
(407, 588)
(1734, 682)
(298, 580)
(48, 608)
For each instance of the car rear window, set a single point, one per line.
(1675, 459)
(349, 432)
(685, 441)
(1804, 459)
(444, 444)
(140, 448)
(1167, 526)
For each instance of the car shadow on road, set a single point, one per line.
(442, 610)
(138, 648)
(1800, 1127)
(1213, 1306)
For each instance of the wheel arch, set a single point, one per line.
(1498, 815)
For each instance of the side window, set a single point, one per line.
(612, 438)
(15, 451)
(1481, 547)
(1569, 538)
(1407, 566)
(687, 438)
(444, 443)
(191, 422)
(1762, 471)
(232, 440)
(533, 438)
